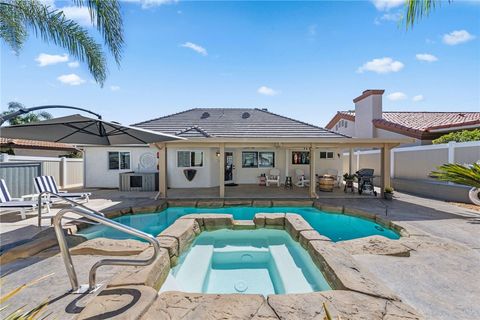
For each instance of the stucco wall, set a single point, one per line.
(349, 130)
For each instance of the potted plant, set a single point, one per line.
(348, 178)
(388, 193)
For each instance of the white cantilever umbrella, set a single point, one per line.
(78, 129)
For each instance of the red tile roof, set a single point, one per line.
(416, 124)
(32, 144)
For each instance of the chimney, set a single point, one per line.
(368, 106)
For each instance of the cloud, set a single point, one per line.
(45, 59)
(73, 64)
(79, 14)
(418, 97)
(114, 88)
(457, 37)
(147, 4)
(381, 65)
(385, 5)
(397, 96)
(426, 57)
(389, 17)
(195, 47)
(71, 79)
(267, 91)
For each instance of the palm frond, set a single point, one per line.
(12, 31)
(44, 115)
(468, 175)
(108, 20)
(417, 9)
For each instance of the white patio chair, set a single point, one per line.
(7, 202)
(273, 177)
(48, 183)
(301, 180)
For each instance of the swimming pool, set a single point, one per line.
(337, 227)
(261, 261)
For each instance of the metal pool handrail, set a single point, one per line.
(92, 215)
(57, 195)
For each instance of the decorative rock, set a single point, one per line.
(179, 305)
(269, 220)
(182, 203)
(342, 271)
(359, 213)
(113, 213)
(294, 224)
(262, 203)
(184, 230)
(243, 225)
(121, 303)
(238, 203)
(109, 247)
(210, 203)
(196, 216)
(152, 208)
(375, 245)
(301, 306)
(329, 208)
(152, 275)
(292, 203)
(265, 313)
(306, 236)
(170, 244)
(217, 221)
(383, 221)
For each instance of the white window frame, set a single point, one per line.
(190, 158)
(327, 153)
(119, 161)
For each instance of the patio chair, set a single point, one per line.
(7, 202)
(273, 177)
(301, 180)
(48, 183)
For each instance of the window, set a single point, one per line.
(189, 159)
(249, 159)
(300, 157)
(119, 160)
(254, 159)
(266, 159)
(326, 155)
(346, 123)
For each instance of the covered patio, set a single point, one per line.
(218, 153)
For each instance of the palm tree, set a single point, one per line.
(468, 175)
(417, 9)
(19, 17)
(25, 118)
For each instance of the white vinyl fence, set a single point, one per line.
(68, 172)
(410, 167)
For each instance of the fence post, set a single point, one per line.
(392, 163)
(63, 172)
(358, 161)
(451, 152)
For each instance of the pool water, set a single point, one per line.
(261, 261)
(338, 227)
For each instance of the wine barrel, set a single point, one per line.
(326, 184)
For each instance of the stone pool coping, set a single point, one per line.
(133, 292)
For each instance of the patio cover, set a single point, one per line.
(78, 129)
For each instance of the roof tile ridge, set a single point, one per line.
(163, 117)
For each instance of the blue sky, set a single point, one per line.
(305, 60)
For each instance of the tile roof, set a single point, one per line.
(416, 122)
(233, 123)
(32, 144)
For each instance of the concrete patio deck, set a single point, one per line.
(439, 279)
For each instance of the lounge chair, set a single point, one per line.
(273, 177)
(301, 180)
(47, 183)
(7, 202)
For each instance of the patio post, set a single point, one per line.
(385, 168)
(313, 180)
(221, 170)
(162, 170)
(350, 160)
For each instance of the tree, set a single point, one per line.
(26, 118)
(417, 9)
(459, 136)
(467, 175)
(18, 17)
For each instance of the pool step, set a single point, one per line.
(290, 275)
(194, 269)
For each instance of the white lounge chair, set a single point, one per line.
(301, 180)
(7, 202)
(273, 177)
(47, 183)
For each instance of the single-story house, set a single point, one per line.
(229, 146)
(368, 120)
(22, 147)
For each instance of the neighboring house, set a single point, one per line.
(21, 147)
(368, 120)
(226, 146)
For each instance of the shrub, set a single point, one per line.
(459, 136)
